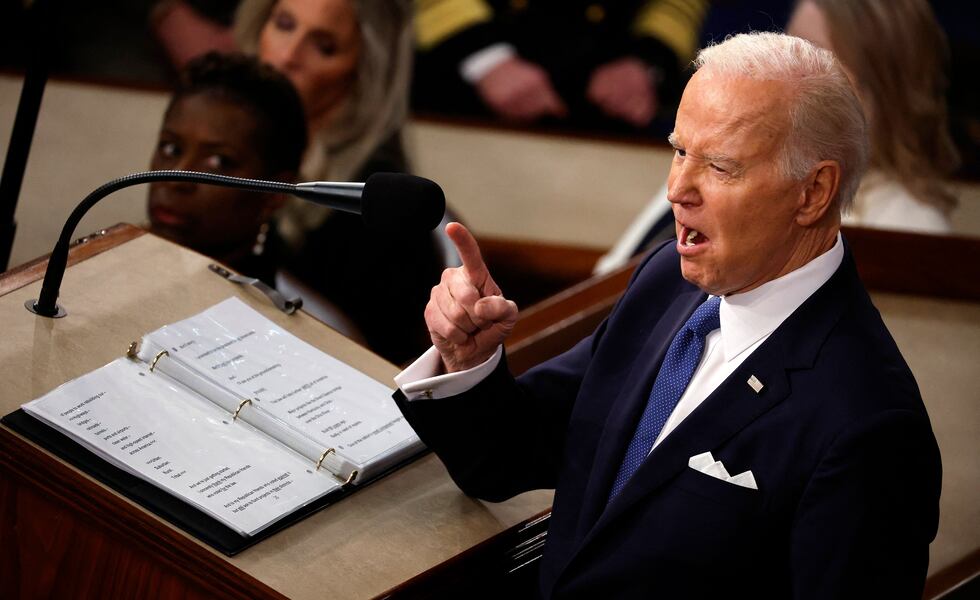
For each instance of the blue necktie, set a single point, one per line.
(681, 360)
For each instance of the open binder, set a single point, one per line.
(225, 425)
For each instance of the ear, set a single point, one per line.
(819, 193)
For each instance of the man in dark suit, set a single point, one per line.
(742, 425)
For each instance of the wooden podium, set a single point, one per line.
(65, 534)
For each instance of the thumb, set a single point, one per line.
(496, 309)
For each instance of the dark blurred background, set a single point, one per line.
(108, 41)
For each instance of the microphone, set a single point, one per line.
(387, 202)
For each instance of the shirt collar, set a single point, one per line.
(748, 317)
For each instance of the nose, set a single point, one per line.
(172, 189)
(286, 55)
(184, 162)
(681, 185)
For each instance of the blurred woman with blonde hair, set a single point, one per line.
(350, 61)
(895, 54)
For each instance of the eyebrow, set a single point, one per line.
(714, 158)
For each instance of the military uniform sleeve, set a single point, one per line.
(455, 28)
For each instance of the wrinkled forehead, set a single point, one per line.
(732, 111)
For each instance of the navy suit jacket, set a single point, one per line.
(838, 440)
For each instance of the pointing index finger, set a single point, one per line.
(469, 253)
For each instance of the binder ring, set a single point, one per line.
(353, 474)
(241, 405)
(326, 452)
(159, 355)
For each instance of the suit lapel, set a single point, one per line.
(728, 410)
(731, 407)
(626, 409)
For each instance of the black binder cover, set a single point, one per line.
(161, 503)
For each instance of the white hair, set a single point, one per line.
(825, 115)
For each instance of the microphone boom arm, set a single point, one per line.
(342, 197)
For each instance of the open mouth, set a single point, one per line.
(690, 237)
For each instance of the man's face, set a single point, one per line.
(735, 212)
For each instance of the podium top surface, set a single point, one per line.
(395, 529)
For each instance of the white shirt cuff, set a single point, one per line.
(475, 66)
(419, 379)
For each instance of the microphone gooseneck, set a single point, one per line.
(387, 201)
(337, 195)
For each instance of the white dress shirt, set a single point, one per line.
(747, 320)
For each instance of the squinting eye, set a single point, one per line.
(680, 153)
(718, 169)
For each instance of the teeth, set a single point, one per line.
(691, 236)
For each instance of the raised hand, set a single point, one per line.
(467, 315)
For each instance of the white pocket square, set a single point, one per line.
(707, 464)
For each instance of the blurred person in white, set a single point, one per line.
(895, 54)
